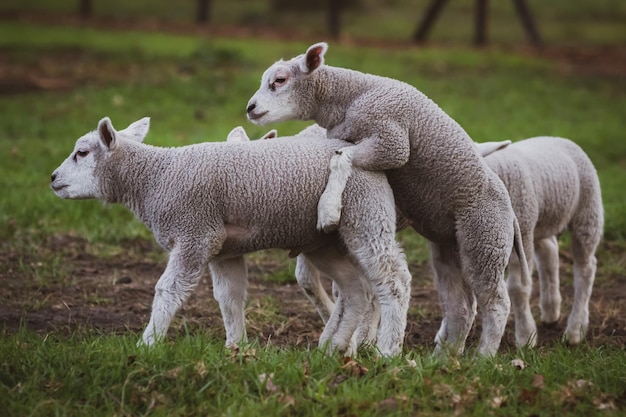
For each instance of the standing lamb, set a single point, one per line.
(211, 203)
(553, 187)
(440, 182)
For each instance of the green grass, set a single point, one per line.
(196, 89)
(102, 375)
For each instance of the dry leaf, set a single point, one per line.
(200, 369)
(173, 373)
(499, 401)
(286, 399)
(267, 381)
(518, 363)
(391, 403)
(411, 363)
(355, 368)
(538, 381)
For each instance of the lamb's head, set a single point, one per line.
(282, 90)
(77, 177)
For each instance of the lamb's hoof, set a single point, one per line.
(550, 325)
(573, 337)
(330, 228)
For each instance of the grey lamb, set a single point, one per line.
(211, 203)
(440, 182)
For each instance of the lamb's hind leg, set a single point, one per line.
(353, 302)
(484, 251)
(583, 252)
(519, 292)
(458, 303)
(390, 278)
(547, 259)
(230, 282)
(309, 279)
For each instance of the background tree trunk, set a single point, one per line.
(203, 11)
(333, 16)
(85, 8)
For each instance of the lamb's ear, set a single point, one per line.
(270, 135)
(107, 133)
(314, 57)
(487, 148)
(138, 130)
(238, 134)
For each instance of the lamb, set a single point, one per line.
(211, 203)
(440, 182)
(553, 186)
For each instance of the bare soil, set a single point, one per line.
(113, 295)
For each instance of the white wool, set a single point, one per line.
(211, 203)
(553, 187)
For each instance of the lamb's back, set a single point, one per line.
(545, 177)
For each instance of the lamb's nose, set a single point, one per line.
(250, 107)
(53, 177)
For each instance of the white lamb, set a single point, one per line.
(553, 187)
(211, 203)
(440, 182)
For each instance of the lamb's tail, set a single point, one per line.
(519, 250)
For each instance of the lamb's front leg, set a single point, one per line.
(230, 282)
(182, 274)
(388, 149)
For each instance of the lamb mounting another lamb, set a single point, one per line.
(440, 182)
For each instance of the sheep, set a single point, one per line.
(553, 186)
(440, 182)
(211, 203)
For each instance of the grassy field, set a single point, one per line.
(57, 82)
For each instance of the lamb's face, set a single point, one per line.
(281, 94)
(75, 178)
(275, 100)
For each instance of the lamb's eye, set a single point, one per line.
(80, 154)
(280, 80)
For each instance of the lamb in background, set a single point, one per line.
(440, 182)
(211, 203)
(553, 187)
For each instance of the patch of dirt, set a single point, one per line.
(114, 296)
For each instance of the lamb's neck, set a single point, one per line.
(135, 177)
(335, 88)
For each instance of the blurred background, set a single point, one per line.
(502, 22)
